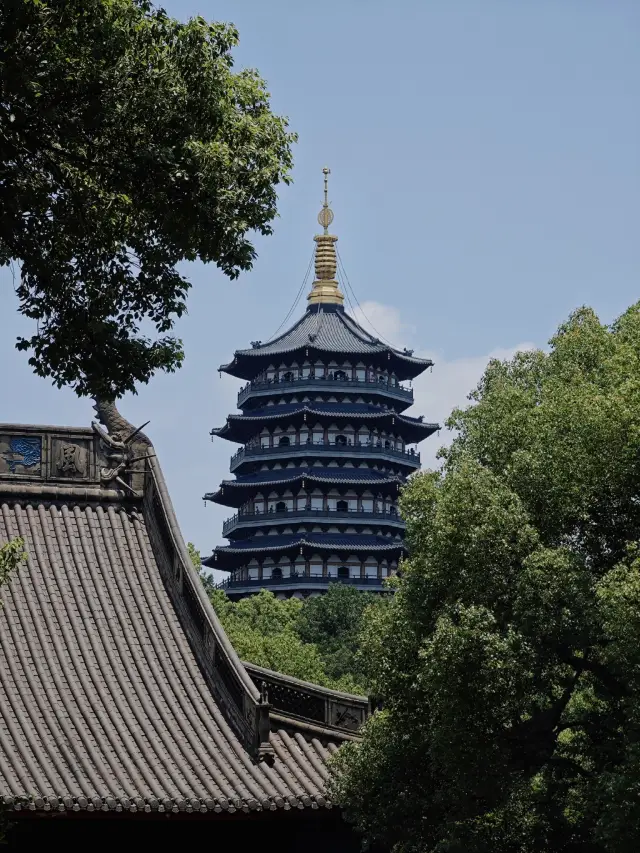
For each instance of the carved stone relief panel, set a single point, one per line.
(71, 458)
(21, 455)
(346, 716)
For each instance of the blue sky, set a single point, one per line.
(485, 163)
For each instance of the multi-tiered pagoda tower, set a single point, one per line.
(325, 447)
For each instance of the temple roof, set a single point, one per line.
(325, 328)
(240, 427)
(118, 687)
(228, 556)
(234, 492)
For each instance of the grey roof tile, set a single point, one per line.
(106, 701)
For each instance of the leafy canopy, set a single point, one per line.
(509, 659)
(333, 622)
(317, 639)
(11, 556)
(127, 145)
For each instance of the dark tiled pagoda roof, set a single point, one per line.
(119, 690)
(326, 329)
(234, 492)
(240, 427)
(228, 556)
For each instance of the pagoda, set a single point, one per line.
(325, 446)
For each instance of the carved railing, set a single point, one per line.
(400, 392)
(332, 447)
(304, 514)
(300, 701)
(375, 584)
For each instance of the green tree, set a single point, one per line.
(262, 630)
(127, 145)
(333, 622)
(509, 660)
(11, 556)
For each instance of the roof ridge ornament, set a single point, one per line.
(325, 288)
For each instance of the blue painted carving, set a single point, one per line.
(30, 449)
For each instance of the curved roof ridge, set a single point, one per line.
(359, 331)
(275, 340)
(324, 541)
(342, 410)
(188, 570)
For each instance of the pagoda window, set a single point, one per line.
(342, 506)
(318, 436)
(288, 376)
(343, 572)
(276, 573)
(284, 441)
(315, 566)
(306, 371)
(340, 376)
(387, 444)
(304, 436)
(371, 568)
(280, 506)
(317, 502)
(342, 440)
(361, 374)
(367, 504)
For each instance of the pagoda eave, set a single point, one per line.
(241, 428)
(229, 557)
(246, 364)
(233, 493)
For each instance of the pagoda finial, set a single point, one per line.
(325, 217)
(325, 287)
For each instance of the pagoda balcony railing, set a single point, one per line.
(252, 584)
(300, 516)
(329, 447)
(264, 386)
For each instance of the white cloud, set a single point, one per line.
(384, 322)
(437, 392)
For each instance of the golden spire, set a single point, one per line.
(325, 287)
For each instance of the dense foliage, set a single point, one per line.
(127, 145)
(316, 639)
(11, 556)
(509, 660)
